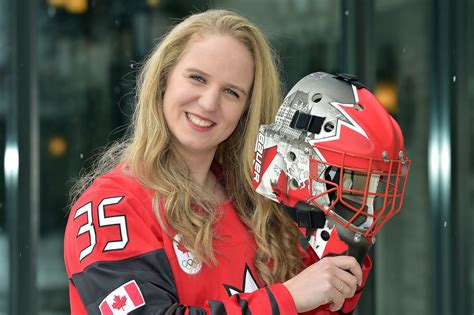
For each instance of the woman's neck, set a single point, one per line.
(199, 165)
(200, 168)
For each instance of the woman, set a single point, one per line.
(168, 222)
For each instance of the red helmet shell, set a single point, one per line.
(335, 147)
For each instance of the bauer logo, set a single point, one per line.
(257, 167)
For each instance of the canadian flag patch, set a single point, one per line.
(122, 300)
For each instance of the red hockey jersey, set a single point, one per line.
(119, 261)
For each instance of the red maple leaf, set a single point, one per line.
(182, 248)
(119, 302)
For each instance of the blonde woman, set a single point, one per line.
(168, 222)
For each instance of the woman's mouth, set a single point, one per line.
(199, 121)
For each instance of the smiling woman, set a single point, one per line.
(168, 219)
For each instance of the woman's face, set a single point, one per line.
(206, 93)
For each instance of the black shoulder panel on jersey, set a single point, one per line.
(152, 273)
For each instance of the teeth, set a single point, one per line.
(199, 122)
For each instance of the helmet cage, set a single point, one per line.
(361, 198)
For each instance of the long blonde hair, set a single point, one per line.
(154, 163)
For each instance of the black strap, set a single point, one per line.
(351, 79)
(307, 122)
(306, 216)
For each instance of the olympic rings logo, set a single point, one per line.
(187, 262)
(190, 263)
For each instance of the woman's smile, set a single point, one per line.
(199, 122)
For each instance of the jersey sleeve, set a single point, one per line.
(274, 299)
(116, 264)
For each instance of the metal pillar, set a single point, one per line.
(358, 58)
(463, 218)
(21, 162)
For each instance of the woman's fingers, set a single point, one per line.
(337, 300)
(342, 287)
(348, 280)
(350, 263)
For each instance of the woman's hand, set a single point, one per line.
(330, 280)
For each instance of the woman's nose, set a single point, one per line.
(209, 99)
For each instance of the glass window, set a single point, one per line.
(403, 84)
(5, 98)
(468, 214)
(306, 34)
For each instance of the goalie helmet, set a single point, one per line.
(333, 148)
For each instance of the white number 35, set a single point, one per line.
(88, 227)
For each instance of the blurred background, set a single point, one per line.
(67, 74)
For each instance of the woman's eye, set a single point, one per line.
(232, 92)
(197, 78)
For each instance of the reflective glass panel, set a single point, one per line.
(403, 270)
(5, 98)
(468, 213)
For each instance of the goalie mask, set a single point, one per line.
(334, 157)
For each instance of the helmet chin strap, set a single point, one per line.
(305, 215)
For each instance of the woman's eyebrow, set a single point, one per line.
(204, 74)
(197, 70)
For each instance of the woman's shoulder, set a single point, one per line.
(120, 178)
(117, 183)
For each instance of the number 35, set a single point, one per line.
(88, 227)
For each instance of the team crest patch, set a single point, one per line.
(122, 300)
(186, 259)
